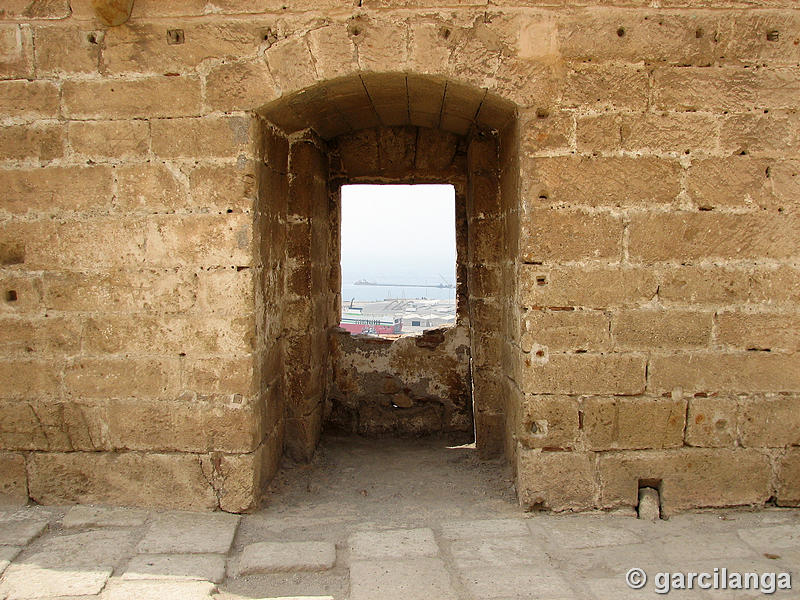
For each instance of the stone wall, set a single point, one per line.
(169, 234)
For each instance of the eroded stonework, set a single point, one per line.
(628, 282)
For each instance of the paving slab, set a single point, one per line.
(468, 554)
(400, 580)
(159, 590)
(20, 532)
(516, 582)
(91, 549)
(83, 517)
(190, 533)
(277, 557)
(705, 547)
(484, 528)
(179, 567)
(25, 580)
(608, 560)
(7, 554)
(772, 539)
(578, 532)
(393, 543)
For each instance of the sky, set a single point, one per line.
(398, 233)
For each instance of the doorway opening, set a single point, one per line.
(398, 259)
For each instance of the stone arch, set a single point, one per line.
(307, 139)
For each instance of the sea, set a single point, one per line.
(375, 293)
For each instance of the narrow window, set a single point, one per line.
(398, 259)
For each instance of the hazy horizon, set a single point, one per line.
(398, 234)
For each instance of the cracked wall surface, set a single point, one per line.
(632, 292)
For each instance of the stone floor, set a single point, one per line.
(382, 521)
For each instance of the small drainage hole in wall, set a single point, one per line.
(11, 296)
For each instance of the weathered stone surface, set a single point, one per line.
(13, 479)
(565, 330)
(83, 517)
(633, 423)
(100, 140)
(712, 421)
(7, 554)
(160, 590)
(183, 533)
(789, 478)
(125, 479)
(144, 98)
(555, 480)
(67, 50)
(277, 557)
(400, 579)
(20, 532)
(769, 421)
(43, 143)
(584, 374)
(29, 580)
(648, 329)
(29, 99)
(392, 544)
(179, 567)
(689, 477)
(484, 528)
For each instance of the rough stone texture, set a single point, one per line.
(393, 544)
(627, 184)
(181, 567)
(7, 554)
(396, 580)
(277, 557)
(79, 517)
(160, 590)
(182, 533)
(18, 532)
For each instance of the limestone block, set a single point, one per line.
(470, 555)
(29, 580)
(7, 554)
(125, 479)
(691, 477)
(204, 136)
(549, 422)
(398, 580)
(715, 371)
(85, 517)
(187, 533)
(675, 132)
(555, 480)
(112, 12)
(67, 50)
(147, 48)
(769, 421)
(291, 64)
(200, 240)
(770, 135)
(786, 181)
(25, 10)
(16, 52)
(545, 130)
(56, 189)
(484, 528)
(20, 532)
(176, 567)
(394, 544)
(759, 330)
(100, 140)
(13, 480)
(277, 557)
(39, 143)
(734, 181)
(237, 478)
(333, 51)
(621, 36)
(712, 422)
(707, 234)
(122, 377)
(381, 43)
(240, 85)
(617, 86)
(50, 336)
(29, 100)
(789, 478)
(584, 374)
(221, 375)
(120, 291)
(694, 88)
(150, 97)
(565, 330)
(27, 288)
(599, 181)
(26, 378)
(550, 234)
(729, 285)
(633, 423)
(646, 329)
(160, 590)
